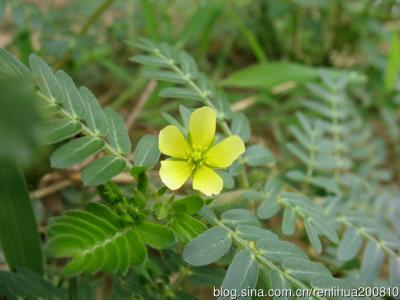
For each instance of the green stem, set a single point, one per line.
(73, 289)
(366, 235)
(336, 138)
(310, 165)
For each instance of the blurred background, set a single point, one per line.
(260, 51)
(88, 39)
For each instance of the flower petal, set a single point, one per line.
(174, 173)
(172, 142)
(225, 153)
(202, 127)
(207, 181)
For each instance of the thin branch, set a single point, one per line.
(243, 104)
(51, 189)
(148, 90)
(123, 178)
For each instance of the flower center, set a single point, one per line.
(196, 157)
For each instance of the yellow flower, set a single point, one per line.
(197, 156)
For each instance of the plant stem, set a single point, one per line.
(73, 289)
(310, 165)
(366, 235)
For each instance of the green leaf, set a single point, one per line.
(393, 63)
(394, 268)
(102, 170)
(199, 25)
(258, 155)
(185, 115)
(61, 129)
(20, 122)
(10, 66)
(239, 217)
(320, 281)
(166, 76)
(76, 151)
(149, 60)
(349, 245)
(104, 212)
(206, 276)
(371, 263)
(301, 137)
(242, 273)
(326, 183)
(145, 44)
(71, 100)
(296, 175)
(278, 282)
(187, 227)
(322, 109)
(167, 51)
(171, 120)
(188, 205)
(160, 211)
(117, 132)
(188, 65)
(48, 83)
(208, 214)
(180, 93)
(252, 233)
(305, 123)
(147, 153)
(277, 250)
(298, 152)
(323, 92)
(19, 235)
(268, 75)
(317, 218)
(289, 221)
(241, 126)
(208, 247)
(27, 285)
(156, 235)
(229, 181)
(273, 187)
(324, 227)
(268, 208)
(95, 117)
(312, 234)
(96, 239)
(304, 269)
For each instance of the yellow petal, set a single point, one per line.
(207, 181)
(172, 142)
(174, 173)
(225, 153)
(202, 127)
